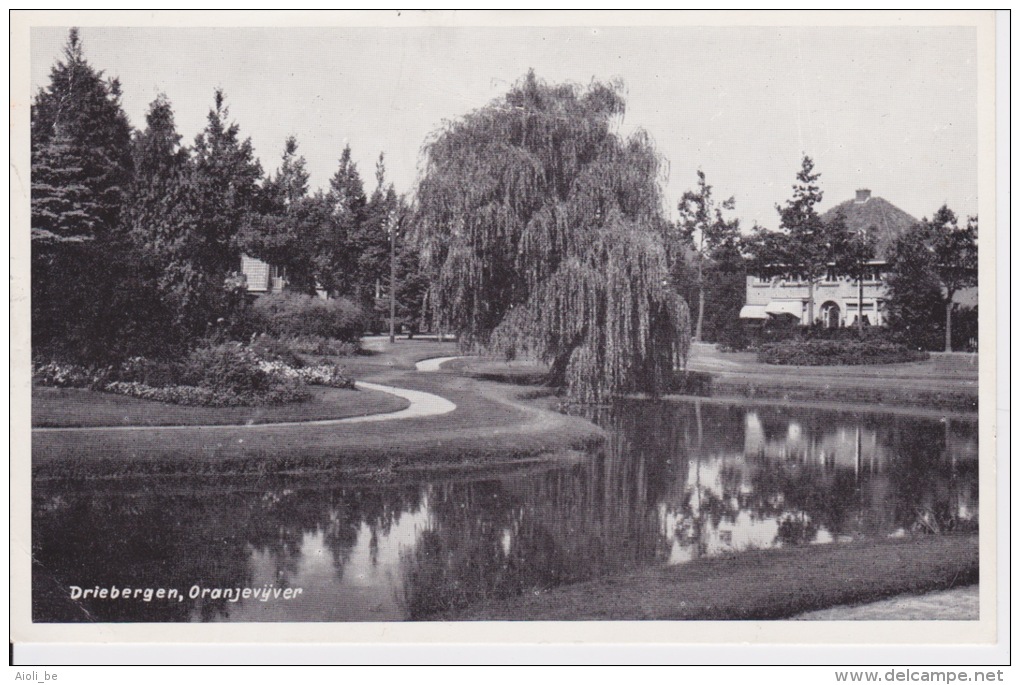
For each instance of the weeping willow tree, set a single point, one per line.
(541, 229)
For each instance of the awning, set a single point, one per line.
(794, 307)
(753, 311)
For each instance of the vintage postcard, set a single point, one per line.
(494, 326)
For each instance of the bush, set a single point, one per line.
(321, 374)
(272, 349)
(228, 366)
(224, 375)
(696, 383)
(837, 352)
(65, 375)
(282, 391)
(292, 314)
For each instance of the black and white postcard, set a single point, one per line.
(493, 326)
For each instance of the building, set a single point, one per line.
(836, 298)
(264, 279)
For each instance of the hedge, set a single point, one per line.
(292, 314)
(837, 353)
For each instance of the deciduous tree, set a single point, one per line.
(703, 228)
(541, 229)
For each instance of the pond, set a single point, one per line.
(676, 481)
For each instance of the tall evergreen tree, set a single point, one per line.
(80, 112)
(161, 218)
(541, 229)
(373, 240)
(81, 165)
(226, 177)
(286, 232)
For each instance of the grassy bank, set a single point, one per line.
(73, 407)
(493, 426)
(888, 393)
(736, 376)
(761, 585)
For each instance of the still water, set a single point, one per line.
(676, 481)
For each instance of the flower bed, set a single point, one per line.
(837, 353)
(227, 375)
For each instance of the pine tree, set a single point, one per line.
(226, 177)
(286, 232)
(81, 165)
(540, 229)
(80, 111)
(805, 247)
(355, 275)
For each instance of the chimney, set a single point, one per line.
(863, 195)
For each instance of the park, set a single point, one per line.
(581, 411)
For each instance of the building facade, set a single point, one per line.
(839, 301)
(263, 278)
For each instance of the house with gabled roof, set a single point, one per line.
(836, 297)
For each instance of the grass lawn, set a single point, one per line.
(65, 407)
(770, 584)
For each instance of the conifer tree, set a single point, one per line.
(81, 165)
(225, 177)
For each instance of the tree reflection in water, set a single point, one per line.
(675, 481)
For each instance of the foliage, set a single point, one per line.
(855, 252)
(805, 247)
(294, 314)
(837, 353)
(292, 230)
(81, 163)
(928, 265)
(78, 125)
(704, 230)
(226, 176)
(540, 229)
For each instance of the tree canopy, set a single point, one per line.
(704, 229)
(541, 229)
(805, 247)
(929, 265)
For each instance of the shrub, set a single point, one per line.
(686, 382)
(282, 391)
(228, 366)
(837, 352)
(292, 314)
(64, 375)
(272, 349)
(320, 374)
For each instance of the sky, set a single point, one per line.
(892, 109)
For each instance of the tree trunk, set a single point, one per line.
(811, 302)
(860, 306)
(701, 313)
(393, 283)
(949, 324)
(701, 299)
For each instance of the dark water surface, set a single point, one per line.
(676, 481)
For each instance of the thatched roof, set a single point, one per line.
(879, 217)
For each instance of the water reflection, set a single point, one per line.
(675, 482)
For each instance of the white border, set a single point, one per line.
(780, 635)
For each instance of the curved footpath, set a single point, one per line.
(451, 422)
(420, 404)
